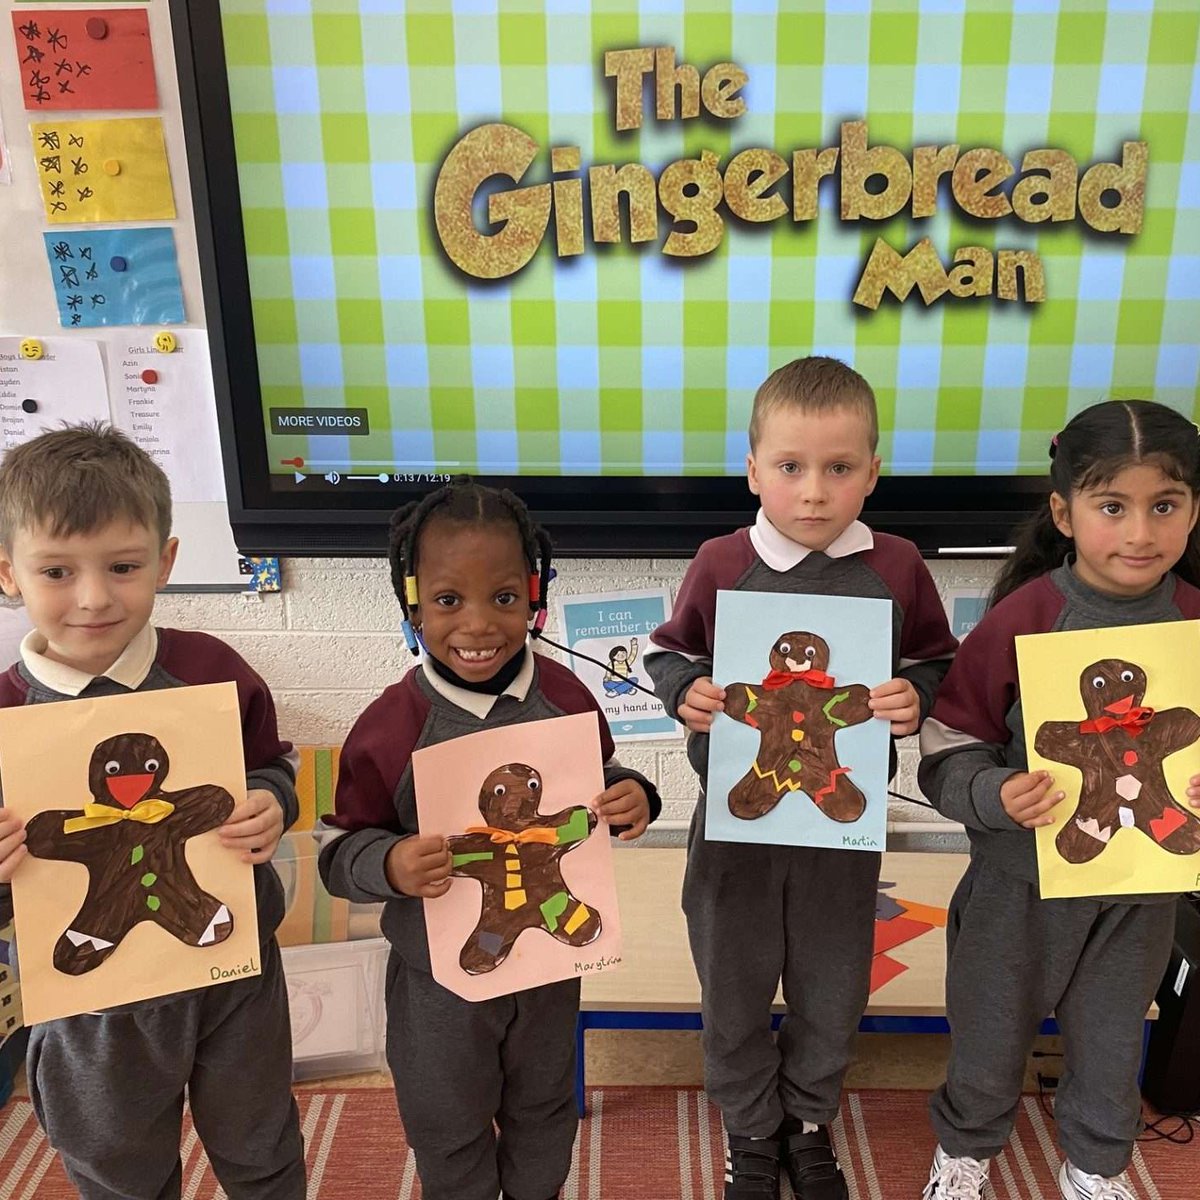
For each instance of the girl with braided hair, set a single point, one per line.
(485, 1089)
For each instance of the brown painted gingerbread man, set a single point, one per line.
(131, 838)
(797, 709)
(517, 857)
(1119, 749)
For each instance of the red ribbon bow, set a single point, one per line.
(778, 679)
(1133, 718)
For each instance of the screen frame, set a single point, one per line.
(944, 514)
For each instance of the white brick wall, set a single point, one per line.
(330, 642)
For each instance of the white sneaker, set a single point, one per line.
(1075, 1185)
(957, 1178)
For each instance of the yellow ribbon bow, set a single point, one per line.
(148, 812)
(548, 837)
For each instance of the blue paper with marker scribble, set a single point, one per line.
(115, 277)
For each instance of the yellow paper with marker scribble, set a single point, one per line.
(1114, 716)
(103, 170)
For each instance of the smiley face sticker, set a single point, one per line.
(31, 349)
(164, 342)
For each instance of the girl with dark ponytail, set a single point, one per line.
(486, 1088)
(1093, 449)
(1115, 545)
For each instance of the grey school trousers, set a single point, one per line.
(759, 914)
(109, 1088)
(1014, 958)
(486, 1089)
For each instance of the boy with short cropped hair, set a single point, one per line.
(759, 913)
(85, 520)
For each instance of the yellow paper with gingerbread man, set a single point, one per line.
(1114, 715)
(127, 892)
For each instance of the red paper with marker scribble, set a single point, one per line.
(90, 59)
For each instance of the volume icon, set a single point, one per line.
(333, 477)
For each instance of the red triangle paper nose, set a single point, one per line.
(127, 790)
(1120, 706)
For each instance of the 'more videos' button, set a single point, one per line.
(315, 421)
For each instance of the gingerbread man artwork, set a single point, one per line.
(1119, 749)
(797, 709)
(517, 857)
(131, 838)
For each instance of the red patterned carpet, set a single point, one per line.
(640, 1143)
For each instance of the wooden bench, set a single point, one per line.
(655, 987)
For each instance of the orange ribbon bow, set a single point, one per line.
(540, 835)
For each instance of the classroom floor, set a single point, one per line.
(881, 1060)
(672, 1057)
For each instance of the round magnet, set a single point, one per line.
(117, 263)
(97, 28)
(149, 376)
(112, 166)
(165, 342)
(29, 406)
(31, 348)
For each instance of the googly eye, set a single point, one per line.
(535, 784)
(499, 790)
(112, 767)
(151, 765)
(810, 652)
(1126, 676)
(785, 647)
(1098, 682)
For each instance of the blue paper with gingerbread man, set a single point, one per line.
(796, 758)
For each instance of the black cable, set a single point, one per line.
(1182, 1132)
(911, 799)
(1179, 1134)
(1045, 1084)
(541, 637)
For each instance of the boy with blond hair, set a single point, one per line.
(85, 521)
(759, 913)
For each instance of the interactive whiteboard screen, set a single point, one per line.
(569, 239)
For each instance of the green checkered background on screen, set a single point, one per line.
(622, 360)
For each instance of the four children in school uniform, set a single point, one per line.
(485, 1090)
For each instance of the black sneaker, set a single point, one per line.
(812, 1166)
(751, 1169)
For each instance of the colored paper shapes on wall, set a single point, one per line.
(115, 277)
(65, 384)
(533, 897)
(97, 58)
(898, 923)
(263, 573)
(103, 170)
(127, 892)
(311, 914)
